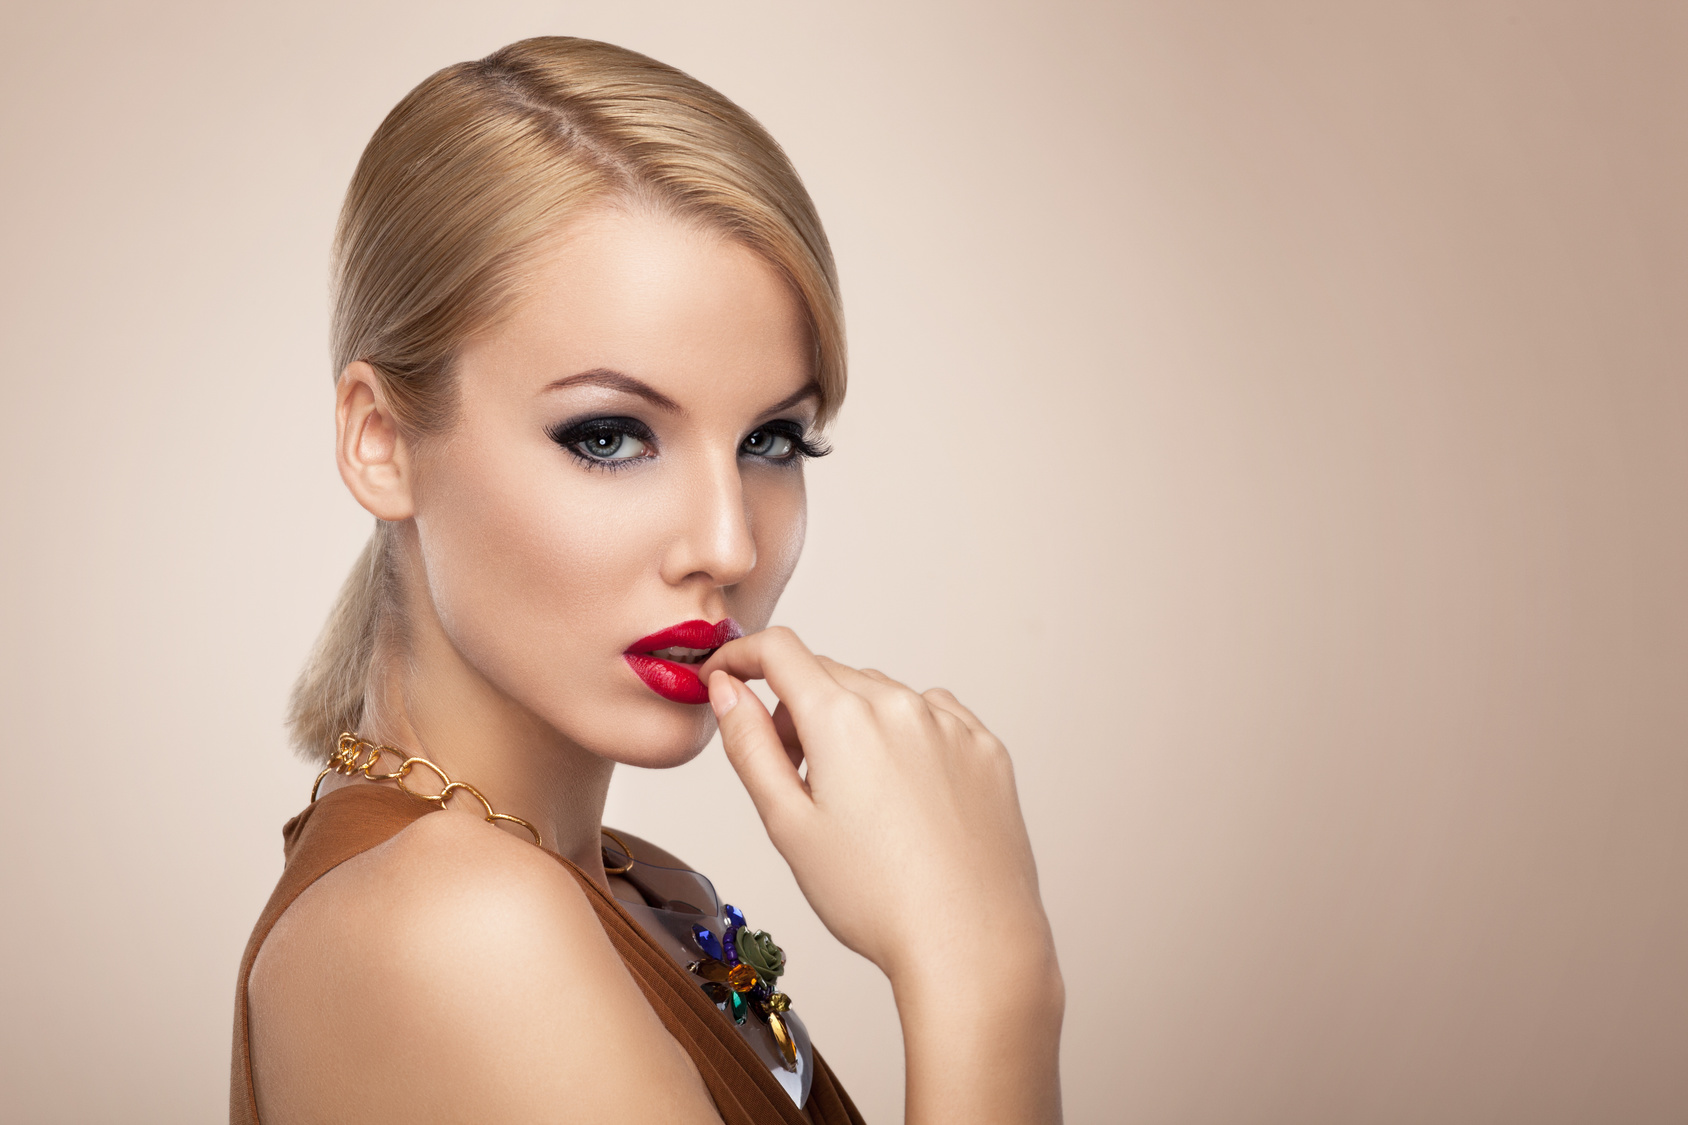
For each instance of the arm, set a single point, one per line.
(923, 795)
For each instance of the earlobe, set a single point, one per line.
(372, 453)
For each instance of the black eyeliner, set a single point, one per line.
(571, 433)
(802, 447)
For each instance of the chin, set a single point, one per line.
(650, 732)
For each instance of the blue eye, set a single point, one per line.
(781, 441)
(609, 443)
(617, 446)
(770, 444)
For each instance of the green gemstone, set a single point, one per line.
(739, 1007)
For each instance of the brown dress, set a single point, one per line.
(347, 822)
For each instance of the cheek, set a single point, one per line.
(778, 512)
(525, 571)
(538, 577)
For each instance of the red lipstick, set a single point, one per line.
(683, 648)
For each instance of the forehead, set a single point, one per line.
(680, 307)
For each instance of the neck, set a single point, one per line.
(425, 699)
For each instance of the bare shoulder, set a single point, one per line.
(456, 972)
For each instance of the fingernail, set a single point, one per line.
(723, 696)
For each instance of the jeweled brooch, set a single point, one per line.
(739, 969)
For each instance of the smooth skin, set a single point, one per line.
(457, 972)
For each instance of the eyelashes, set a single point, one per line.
(611, 443)
(789, 438)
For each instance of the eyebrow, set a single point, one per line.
(810, 389)
(618, 381)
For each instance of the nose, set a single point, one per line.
(715, 543)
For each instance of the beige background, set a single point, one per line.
(1271, 417)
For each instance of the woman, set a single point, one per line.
(587, 331)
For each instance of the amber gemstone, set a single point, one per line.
(782, 1036)
(710, 969)
(779, 1002)
(742, 978)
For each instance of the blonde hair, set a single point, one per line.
(454, 194)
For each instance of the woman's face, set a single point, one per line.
(626, 458)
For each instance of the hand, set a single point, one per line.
(906, 837)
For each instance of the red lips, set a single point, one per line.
(670, 678)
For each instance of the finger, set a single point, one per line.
(863, 681)
(755, 749)
(881, 677)
(943, 700)
(787, 729)
(882, 691)
(777, 656)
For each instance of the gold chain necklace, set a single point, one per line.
(356, 755)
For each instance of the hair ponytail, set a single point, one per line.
(329, 695)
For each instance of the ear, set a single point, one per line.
(374, 459)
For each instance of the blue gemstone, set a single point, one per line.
(731, 947)
(739, 1007)
(735, 917)
(707, 941)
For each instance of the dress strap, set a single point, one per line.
(339, 826)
